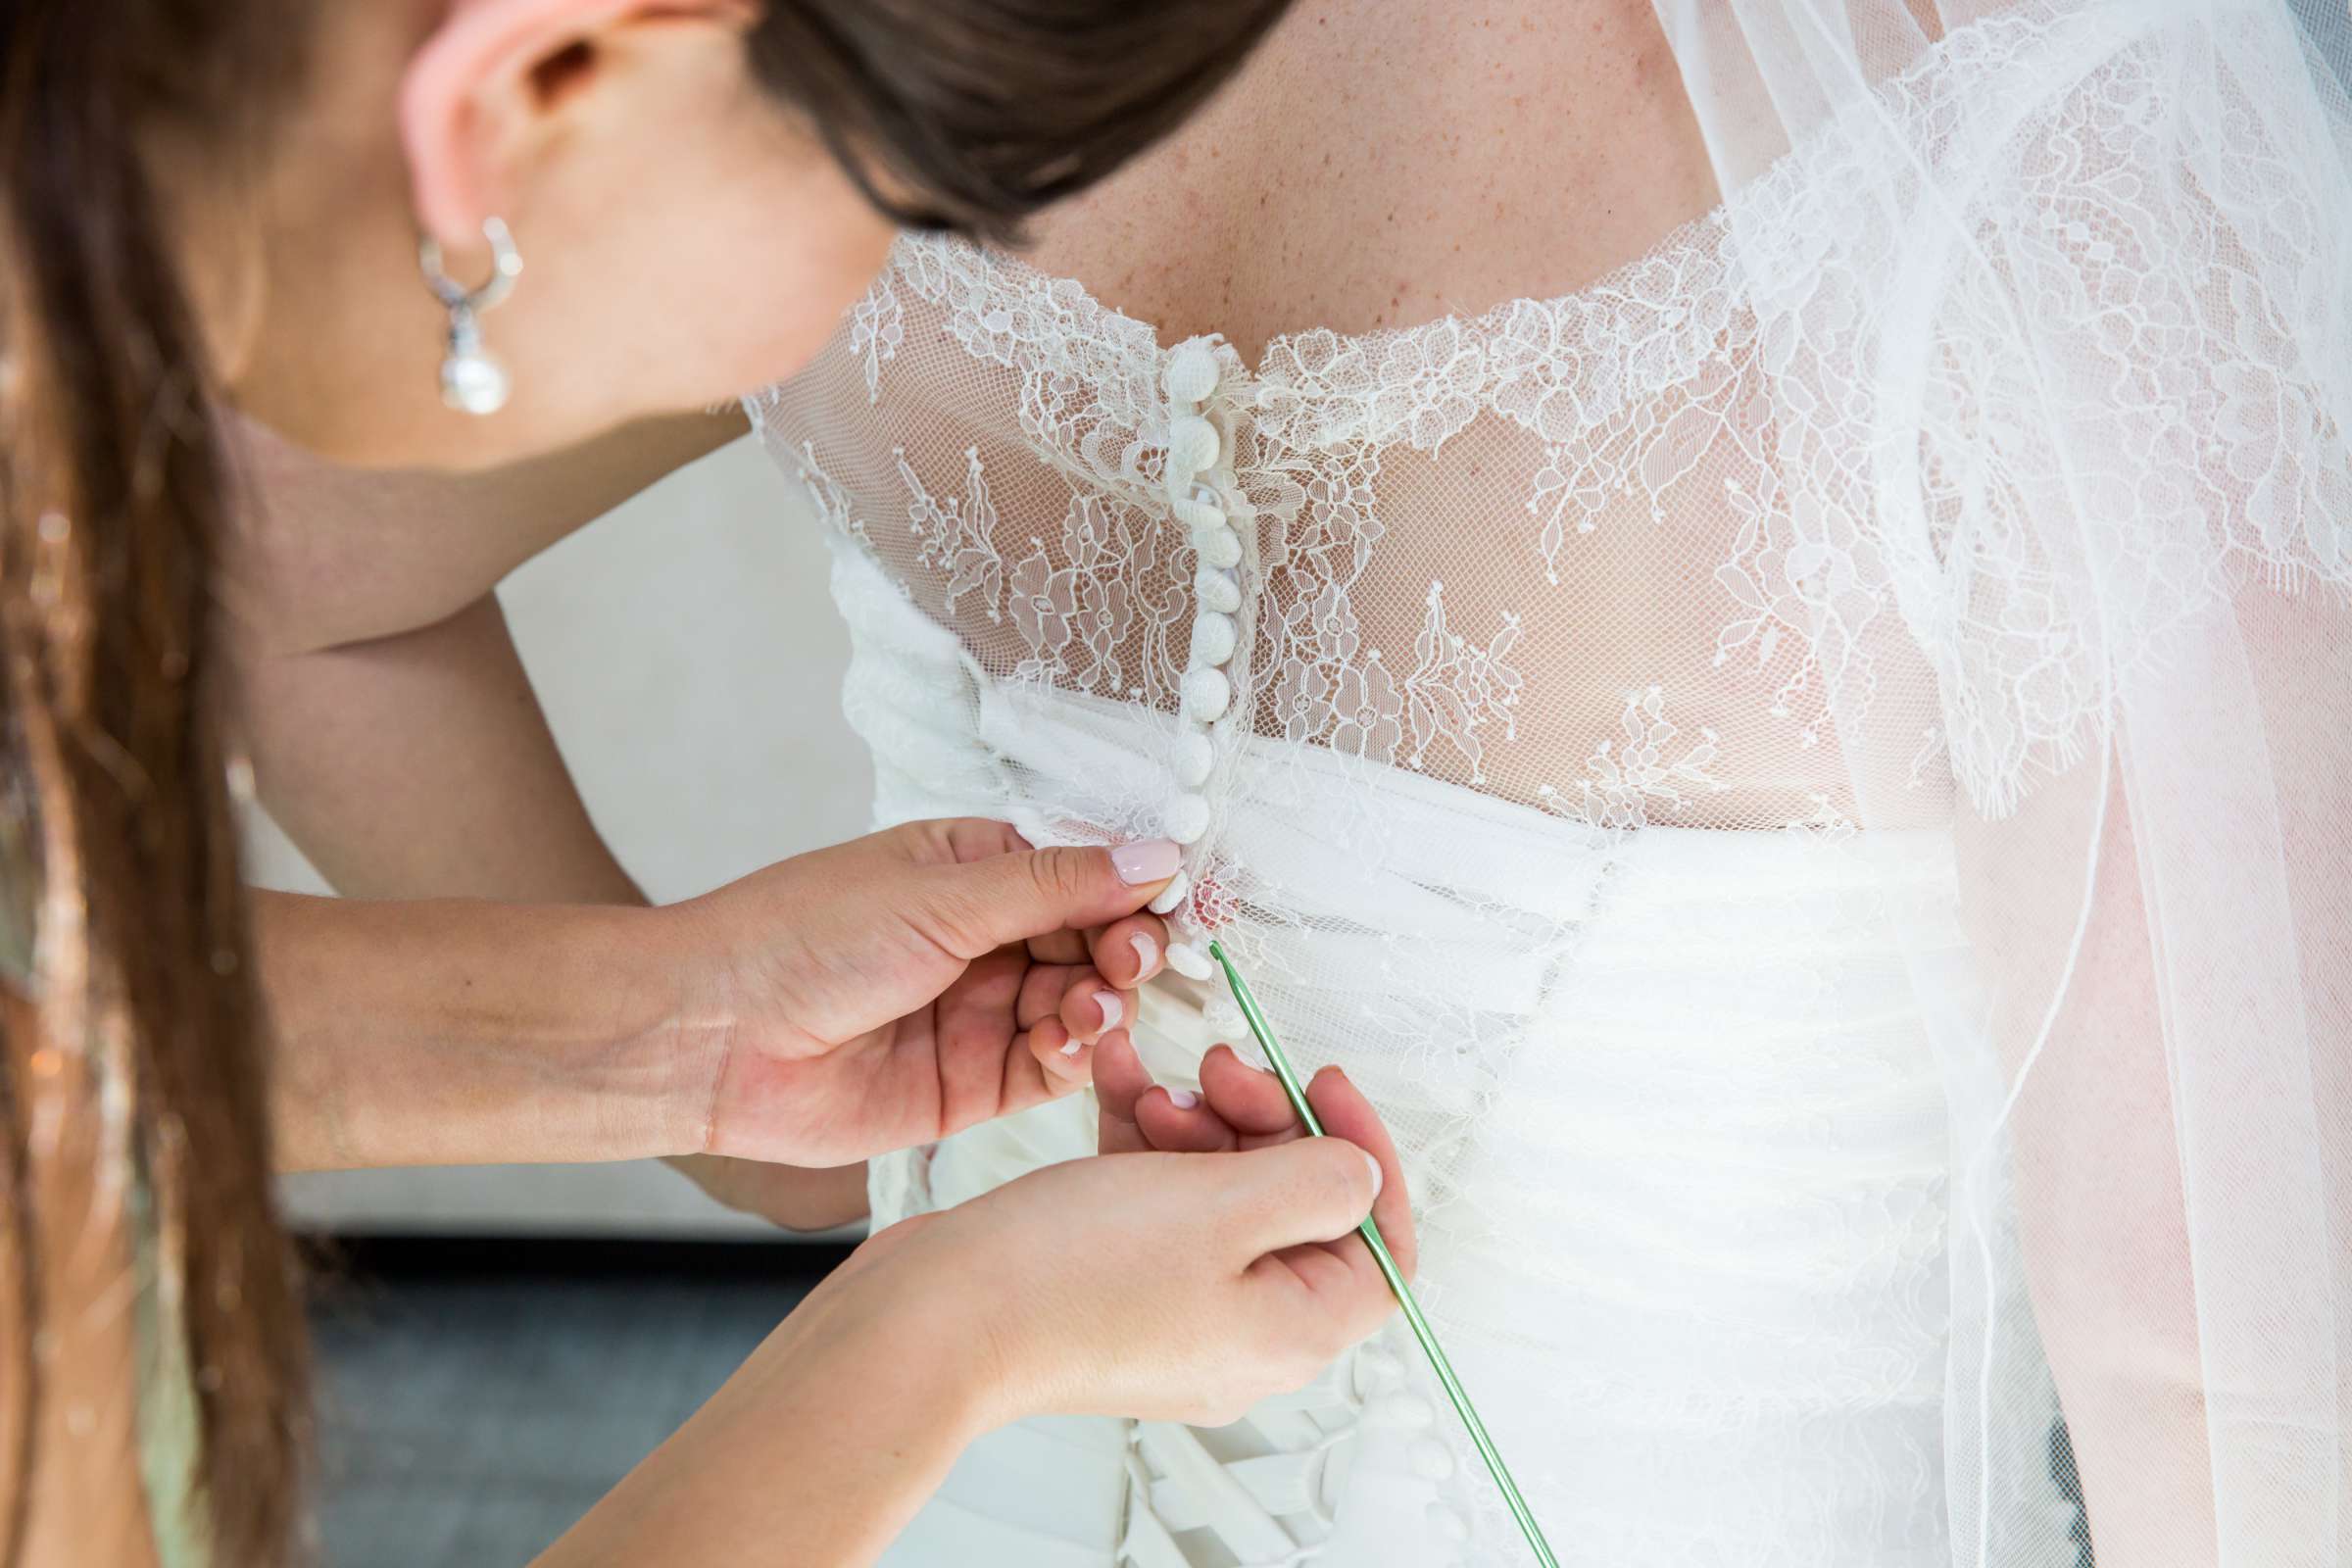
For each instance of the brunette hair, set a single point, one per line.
(975, 114)
(114, 496)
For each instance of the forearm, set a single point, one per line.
(421, 765)
(459, 1032)
(814, 1456)
(416, 762)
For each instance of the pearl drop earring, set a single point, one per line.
(472, 381)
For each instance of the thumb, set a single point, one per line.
(980, 905)
(1289, 1195)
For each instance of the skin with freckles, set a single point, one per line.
(1382, 163)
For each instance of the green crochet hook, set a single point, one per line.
(1290, 1085)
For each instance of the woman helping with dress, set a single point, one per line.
(193, 196)
(1802, 767)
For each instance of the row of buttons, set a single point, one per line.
(1195, 450)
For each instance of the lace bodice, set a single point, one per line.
(1612, 554)
(1566, 464)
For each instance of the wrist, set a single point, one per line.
(831, 1435)
(657, 1068)
(920, 1304)
(684, 1000)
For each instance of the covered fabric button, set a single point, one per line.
(1219, 547)
(1196, 757)
(1432, 1459)
(1193, 445)
(1171, 898)
(1446, 1525)
(1187, 818)
(1217, 589)
(1198, 514)
(1206, 695)
(1190, 375)
(1190, 961)
(1213, 638)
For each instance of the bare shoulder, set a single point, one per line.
(325, 555)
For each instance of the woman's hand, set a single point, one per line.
(1169, 1284)
(1166, 1286)
(898, 988)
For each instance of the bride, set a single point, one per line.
(1801, 755)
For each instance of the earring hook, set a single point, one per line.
(472, 381)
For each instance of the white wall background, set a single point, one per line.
(689, 657)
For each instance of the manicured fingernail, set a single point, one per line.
(1182, 1099)
(1114, 1010)
(1146, 954)
(1073, 1048)
(1377, 1177)
(1151, 860)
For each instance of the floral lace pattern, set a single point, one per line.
(1633, 775)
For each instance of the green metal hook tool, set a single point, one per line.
(1413, 1317)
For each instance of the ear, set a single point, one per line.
(499, 80)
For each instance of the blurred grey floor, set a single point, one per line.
(476, 1401)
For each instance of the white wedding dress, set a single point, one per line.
(1807, 778)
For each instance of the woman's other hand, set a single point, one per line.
(1240, 1108)
(1179, 1286)
(1154, 1285)
(903, 986)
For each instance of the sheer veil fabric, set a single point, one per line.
(1811, 778)
(2084, 324)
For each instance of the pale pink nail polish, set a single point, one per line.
(1114, 1010)
(1182, 1099)
(1073, 1048)
(1377, 1178)
(1146, 952)
(1149, 861)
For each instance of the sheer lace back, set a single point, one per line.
(1573, 469)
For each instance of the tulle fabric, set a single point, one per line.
(1965, 501)
(2083, 324)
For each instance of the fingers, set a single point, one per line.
(1181, 1122)
(970, 907)
(1138, 1114)
(1346, 1113)
(1060, 947)
(1289, 1195)
(1239, 1107)
(972, 1030)
(1061, 1063)
(1090, 1005)
(1120, 1081)
(1252, 1100)
(1337, 1290)
(1127, 953)
(1042, 988)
